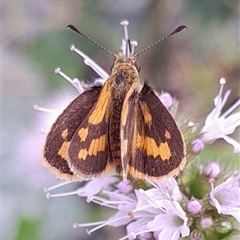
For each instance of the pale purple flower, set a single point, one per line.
(161, 216)
(171, 223)
(226, 197)
(167, 188)
(194, 207)
(91, 188)
(116, 200)
(212, 170)
(125, 186)
(166, 99)
(206, 222)
(220, 125)
(140, 211)
(198, 145)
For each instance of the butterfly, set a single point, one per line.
(118, 128)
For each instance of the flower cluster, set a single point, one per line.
(202, 203)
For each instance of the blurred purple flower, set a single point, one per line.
(218, 125)
(225, 197)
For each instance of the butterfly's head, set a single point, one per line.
(122, 62)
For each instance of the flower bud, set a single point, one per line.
(223, 226)
(206, 222)
(197, 145)
(212, 170)
(194, 207)
(196, 235)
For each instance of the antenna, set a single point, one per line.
(96, 43)
(178, 29)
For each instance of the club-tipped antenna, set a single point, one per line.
(96, 43)
(177, 30)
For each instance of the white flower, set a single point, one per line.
(171, 223)
(225, 197)
(218, 125)
(90, 189)
(157, 214)
(116, 200)
(168, 188)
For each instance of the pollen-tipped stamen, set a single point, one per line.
(127, 45)
(125, 24)
(133, 44)
(56, 186)
(75, 82)
(89, 62)
(38, 108)
(108, 222)
(49, 195)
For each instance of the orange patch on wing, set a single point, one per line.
(134, 87)
(96, 145)
(62, 152)
(125, 114)
(100, 108)
(150, 147)
(83, 133)
(64, 134)
(167, 135)
(146, 114)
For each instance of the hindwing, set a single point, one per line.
(59, 138)
(156, 148)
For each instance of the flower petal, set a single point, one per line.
(233, 142)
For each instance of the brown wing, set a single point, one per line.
(157, 146)
(58, 139)
(88, 154)
(128, 119)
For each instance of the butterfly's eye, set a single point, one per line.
(138, 66)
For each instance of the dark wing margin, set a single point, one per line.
(58, 139)
(157, 148)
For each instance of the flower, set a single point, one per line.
(153, 208)
(90, 189)
(166, 99)
(140, 210)
(212, 170)
(194, 207)
(125, 186)
(206, 222)
(171, 223)
(225, 197)
(218, 125)
(197, 145)
(168, 188)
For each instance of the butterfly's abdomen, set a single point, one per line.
(114, 132)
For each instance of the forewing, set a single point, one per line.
(58, 139)
(88, 154)
(157, 148)
(128, 118)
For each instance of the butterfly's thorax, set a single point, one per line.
(124, 74)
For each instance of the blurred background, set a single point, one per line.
(35, 41)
